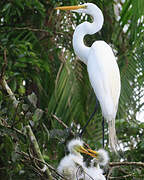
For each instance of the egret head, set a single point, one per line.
(88, 8)
(75, 146)
(101, 159)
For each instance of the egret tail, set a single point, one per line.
(112, 135)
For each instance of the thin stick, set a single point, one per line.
(126, 176)
(112, 164)
(62, 123)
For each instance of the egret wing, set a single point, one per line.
(104, 77)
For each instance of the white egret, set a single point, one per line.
(101, 64)
(69, 165)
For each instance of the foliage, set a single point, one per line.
(51, 84)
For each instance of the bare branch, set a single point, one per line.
(4, 124)
(62, 123)
(126, 164)
(114, 165)
(26, 156)
(123, 177)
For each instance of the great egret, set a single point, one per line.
(101, 64)
(70, 164)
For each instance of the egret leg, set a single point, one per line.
(103, 131)
(84, 128)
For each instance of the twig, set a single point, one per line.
(48, 165)
(110, 172)
(4, 124)
(37, 150)
(37, 30)
(62, 123)
(72, 132)
(126, 176)
(112, 164)
(31, 29)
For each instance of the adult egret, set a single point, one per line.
(69, 165)
(101, 64)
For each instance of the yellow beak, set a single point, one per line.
(93, 153)
(89, 152)
(71, 7)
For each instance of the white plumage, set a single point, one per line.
(69, 166)
(102, 158)
(73, 167)
(73, 146)
(94, 171)
(101, 64)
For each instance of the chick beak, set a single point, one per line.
(89, 152)
(93, 153)
(71, 7)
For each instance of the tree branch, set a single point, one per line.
(112, 164)
(37, 150)
(48, 165)
(62, 123)
(123, 177)
(10, 93)
(3, 123)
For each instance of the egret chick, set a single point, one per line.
(102, 158)
(70, 164)
(94, 171)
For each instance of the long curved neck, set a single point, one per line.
(81, 50)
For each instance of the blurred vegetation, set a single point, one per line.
(50, 84)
